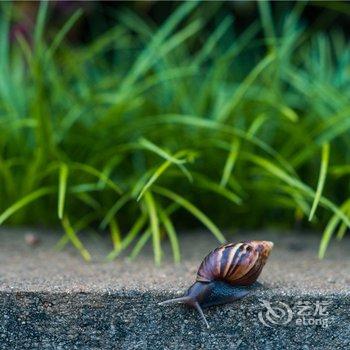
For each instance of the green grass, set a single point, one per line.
(145, 130)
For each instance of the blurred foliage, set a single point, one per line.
(148, 127)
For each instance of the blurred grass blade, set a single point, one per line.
(5, 11)
(243, 88)
(154, 148)
(115, 234)
(200, 123)
(25, 201)
(74, 239)
(162, 153)
(209, 46)
(343, 227)
(168, 225)
(256, 124)
(40, 23)
(340, 170)
(327, 235)
(206, 183)
(114, 209)
(321, 179)
(88, 200)
(140, 244)
(94, 172)
(230, 162)
(157, 173)
(279, 173)
(193, 210)
(78, 226)
(130, 236)
(62, 33)
(154, 225)
(267, 21)
(144, 60)
(134, 231)
(62, 188)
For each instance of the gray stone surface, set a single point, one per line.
(54, 300)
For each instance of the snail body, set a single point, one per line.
(226, 274)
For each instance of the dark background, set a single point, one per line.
(101, 15)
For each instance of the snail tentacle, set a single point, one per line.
(184, 299)
(200, 311)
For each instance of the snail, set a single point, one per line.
(226, 274)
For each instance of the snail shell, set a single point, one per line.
(235, 263)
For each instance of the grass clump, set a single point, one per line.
(142, 125)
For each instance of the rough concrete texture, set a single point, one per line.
(54, 300)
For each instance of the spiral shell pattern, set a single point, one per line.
(235, 263)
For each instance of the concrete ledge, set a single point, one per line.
(53, 300)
